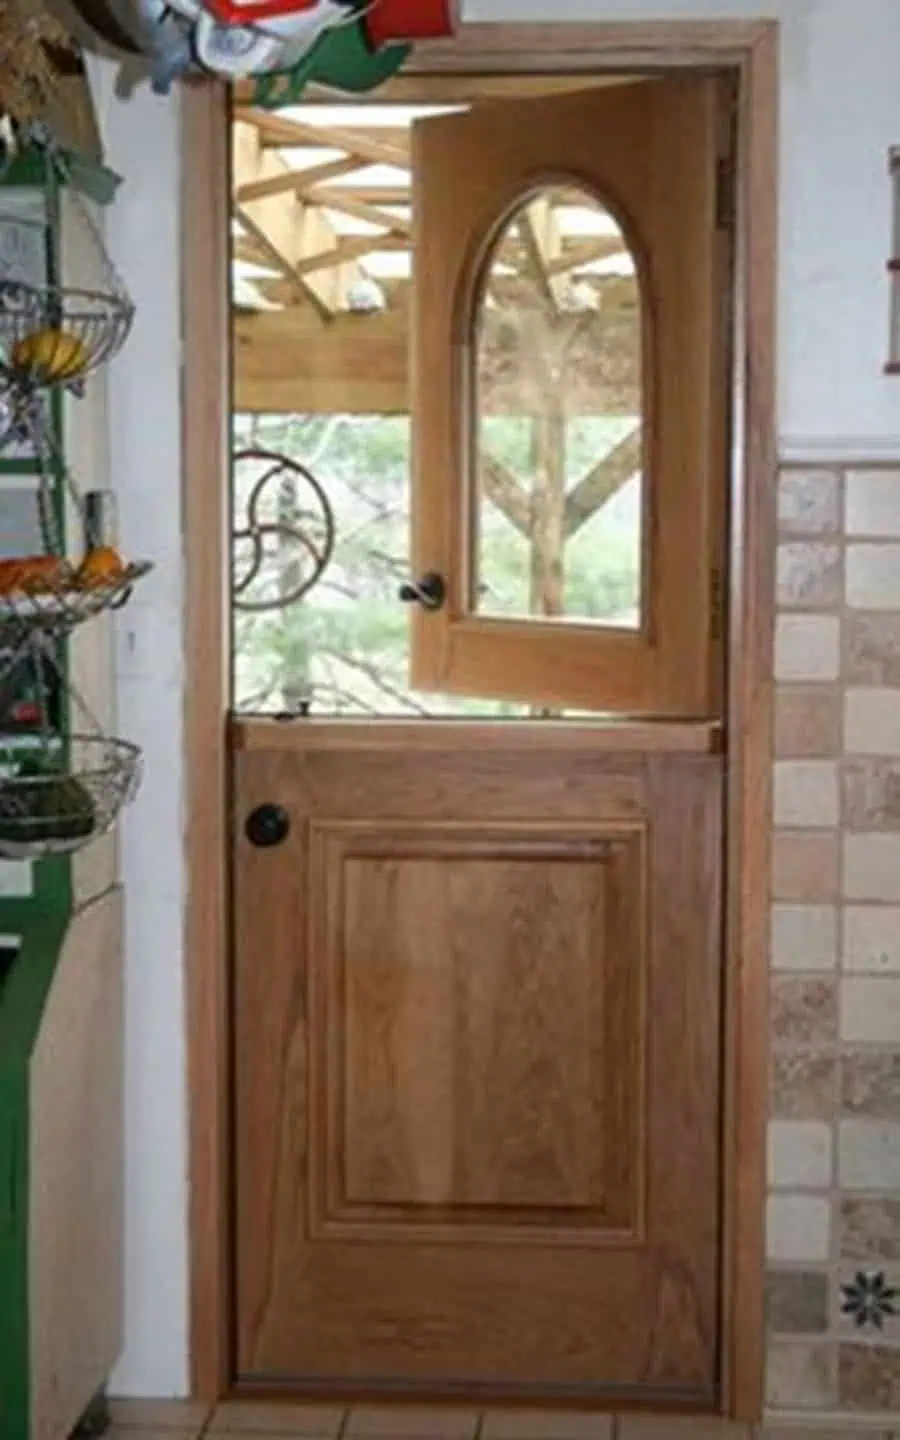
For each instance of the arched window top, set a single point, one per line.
(558, 415)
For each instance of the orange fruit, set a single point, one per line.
(100, 566)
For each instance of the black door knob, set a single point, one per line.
(430, 592)
(267, 825)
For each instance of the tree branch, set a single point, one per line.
(602, 482)
(503, 490)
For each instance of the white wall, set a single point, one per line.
(840, 113)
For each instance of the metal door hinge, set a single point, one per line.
(726, 192)
(716, 603)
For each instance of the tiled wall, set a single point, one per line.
(834, 1138)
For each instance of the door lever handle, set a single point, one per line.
(430, 592)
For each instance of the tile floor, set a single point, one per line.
(180, 1420)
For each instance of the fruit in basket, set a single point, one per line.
(52, 354)
(101, 565)
(42, 803)
(33, 574)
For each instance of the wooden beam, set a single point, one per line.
(360, 210)
(275, 129)
(295, 180)
(354, 247)
(541, 244)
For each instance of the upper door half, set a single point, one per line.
(570, 387)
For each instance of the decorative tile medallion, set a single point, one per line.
(869, 1299)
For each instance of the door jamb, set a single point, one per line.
(751, 48)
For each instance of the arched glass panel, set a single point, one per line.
(558, 418)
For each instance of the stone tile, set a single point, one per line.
(869, 1377)
(871, 645)
(872, 577)
(872, 503)
(673, 1427)
(870, 794)
(800, 1375)
(800, 1154)
(872, 867)
(808, 577)
(870, 1009)
(871, 722)
(869, 1230)
(545, 1425)
(808, 721)
(418, 1423)
(870, 1084)
(802, 1085)
(809, 502)
(804, 937)
(813, 1431)
(871, 938)
(805, 868)
(798, 1228)
(252, 1418)
(158, 1414)
(868, 1155)
(807, 647)
(796, 1302)
(806, 794)
(153, 1432)
(803, 1012)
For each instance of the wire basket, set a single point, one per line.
(55, 602)
(60, 799)
(52, 336)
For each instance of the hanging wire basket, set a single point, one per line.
(63, 797)
(60, 793)
(52, 336)
(56, 332)
(48, 593)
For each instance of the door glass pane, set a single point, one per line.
(558, 519)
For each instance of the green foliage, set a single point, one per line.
(344, 646)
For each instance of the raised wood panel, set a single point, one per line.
(477, 1072)
(477, 1046)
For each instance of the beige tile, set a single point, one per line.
(396, 1421)
(870, 1009)
(871, 794)
(804, 937)
(808, 721)
(808, 577)
(796, 1302)
(869, 1229)
(800, 1374)
(807, 647)
(872, 576)
(803, 1011)
(545, 1425)
(809, 502)
(805, 868)
(870, 1083)
(872, 503)
(803, 1085)
(158, 1414)
(798, 1228)
(869, 1377)
(812, 1431)
(872, 649)
(872, 722)
(871, 938)
(253, 1417)
(868, 1155)
(673, 1427)
(154, 1432)
(800, 1154)
(806, 794)
(872, 867)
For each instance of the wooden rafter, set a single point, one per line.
(277, 130)
(296, 180)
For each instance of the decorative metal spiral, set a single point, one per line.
(256, 530)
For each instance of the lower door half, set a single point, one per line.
(476, 1017)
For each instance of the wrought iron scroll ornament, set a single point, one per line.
(256, 530)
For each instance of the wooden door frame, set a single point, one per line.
(751, 48)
